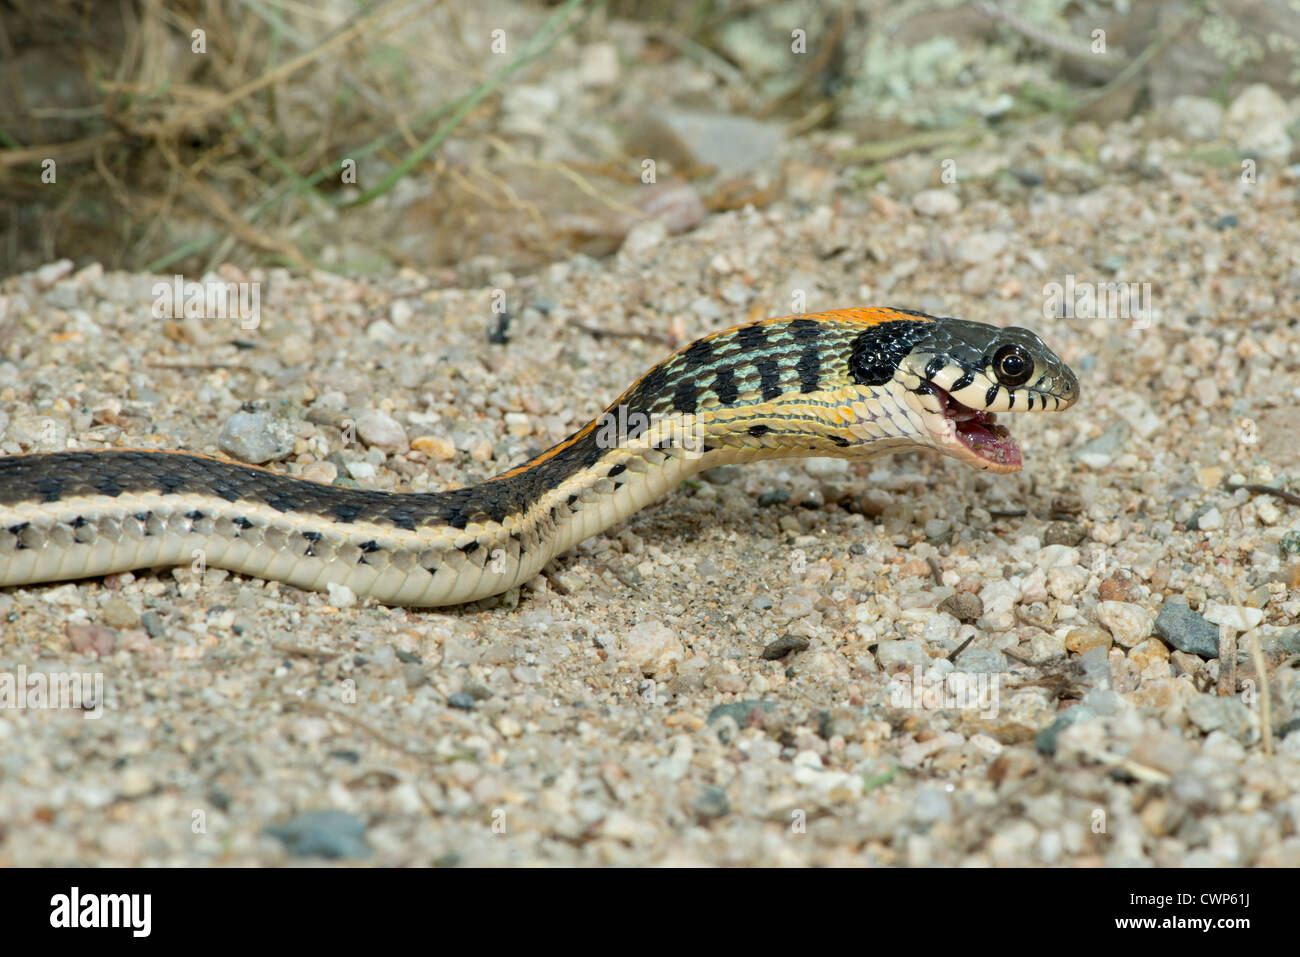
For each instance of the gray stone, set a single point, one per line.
(379, 429)
(841, 721)
(721, 475)
(332, 834)
(152, 622)
(739, 711)
(1207, 518)
(931, 806)
(256, 437)
(1099, 452)
(689, 138)
(711, 804)
(1257, 121)
(1195, 117)
(901, 653)
(936, 202)
(975, 248)
(1047, 738)
(1104, 701)
(1181, 628)
(982, 661)
(460, 650)
(1094, 667)
(1227, 714)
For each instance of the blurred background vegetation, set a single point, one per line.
(457, 138)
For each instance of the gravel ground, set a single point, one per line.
(622, 709)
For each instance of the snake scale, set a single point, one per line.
(853, 383)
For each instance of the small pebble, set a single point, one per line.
(964, 606)
(331, 834)
(783, 646)
(1128, 623)
(256, 437)
(1047, 739)
(936, 202)
(380, 430)
(1240, 618)
(653, 648)
(711, 804)
(436, 447)
(92, 639)
(1210, 520)
(1064, 533)
(1079, 640)
(118, 614)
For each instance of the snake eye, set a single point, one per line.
(1013, 365)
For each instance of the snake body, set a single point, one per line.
(853, 383)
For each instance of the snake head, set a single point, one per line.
(955, 376)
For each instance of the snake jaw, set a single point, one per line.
(974, 436)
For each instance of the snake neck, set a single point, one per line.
(635, 463)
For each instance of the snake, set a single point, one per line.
(850, 383)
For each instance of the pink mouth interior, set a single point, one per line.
(979, 431)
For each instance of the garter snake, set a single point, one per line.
(852, 383)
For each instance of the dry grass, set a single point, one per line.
(121, 140)
(122, 143)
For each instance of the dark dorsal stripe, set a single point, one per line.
(51, 488)
(809, 368)
(751, 338)
(684, 397)
(805, 330)
(769, 378)
(725, 387)
(699, 353)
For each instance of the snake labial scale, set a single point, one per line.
(852, 383)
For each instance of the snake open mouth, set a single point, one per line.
(980, 433)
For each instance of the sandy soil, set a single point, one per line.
(576, 721)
